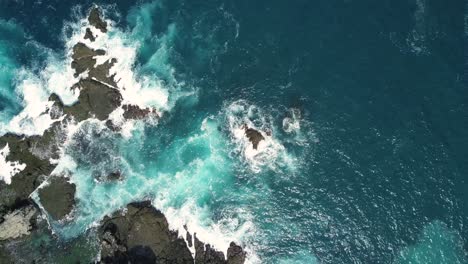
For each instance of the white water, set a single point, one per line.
(8, 169)
(270, 152)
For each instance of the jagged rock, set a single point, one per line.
(48, 145)
(235, 254)
(26, 181)
(189, 238)
(101, 73)
(254, 136)
(83, 58)
(135, 112)
(17, 223)
(141, 233)
(58, 197)
(96, 21)
(89, 35)
(95, 99)
(206, 254)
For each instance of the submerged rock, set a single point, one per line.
(58, 197)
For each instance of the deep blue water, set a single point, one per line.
(379, 170)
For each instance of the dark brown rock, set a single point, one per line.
(141, 233)
(96, 20)
(189, 238)
(254, 136)
(26, 181)
(89, 35)
(83, 58)
(207, 254)
(115, 176)
(48, 145)
(235, 254)
(95, 99)
(135, 112)
(58, 197)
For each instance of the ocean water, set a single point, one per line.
(366, 103)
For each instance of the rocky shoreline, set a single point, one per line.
(138, 233)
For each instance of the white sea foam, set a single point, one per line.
(291, 124)
(144, 91)
(9, 169)
(270, 152)
(33, 119)
(58, 77)
(97, 199)
(197, 220)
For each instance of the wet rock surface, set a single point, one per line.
(58, 197)
(89, 35)
(206, 254)
(26, 181)
(254, 136)
(235, 254)
(96, 20)
(141, 233)
(137, 234)
(135, 112)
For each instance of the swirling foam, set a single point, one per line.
(270, 153)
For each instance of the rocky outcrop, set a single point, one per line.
(89, 35)
(135, 112)
(140, 234)
(26, 181)
(235, 254)
(254, 136)
(96, 20)
(207, 254)
(58, 197)
(84, 58)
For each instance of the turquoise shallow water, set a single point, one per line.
(374, 173)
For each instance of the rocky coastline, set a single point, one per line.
(138, 233)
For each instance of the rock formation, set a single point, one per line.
(254, 136)
(138, 234)
(141, 234)
(58, 197)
